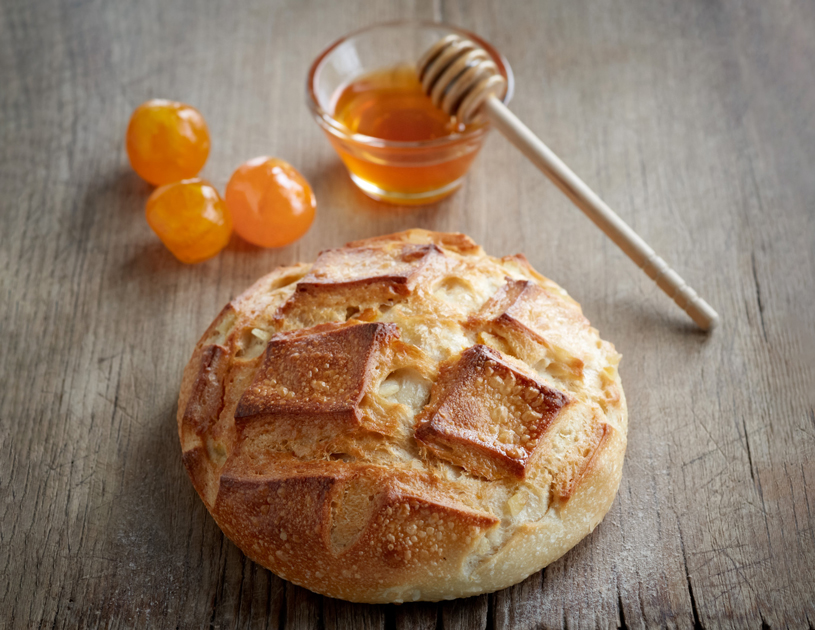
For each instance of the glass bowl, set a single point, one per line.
(408, 173)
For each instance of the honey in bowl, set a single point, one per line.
(390, 105)
(400, 147)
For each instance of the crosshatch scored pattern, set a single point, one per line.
(693, 120)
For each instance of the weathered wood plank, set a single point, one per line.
(418, 616)
(340, 615)
(472, 612)
(303, 608)
(519, 606)
(693, 120)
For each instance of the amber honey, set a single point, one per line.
(390, 104)
(400, 147)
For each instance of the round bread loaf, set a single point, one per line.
(405, 419)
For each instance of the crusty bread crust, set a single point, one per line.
(405, 419)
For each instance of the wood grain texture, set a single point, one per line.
(695, 121)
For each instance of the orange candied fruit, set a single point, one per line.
(272, 204)
(190, 218)
(167, 141)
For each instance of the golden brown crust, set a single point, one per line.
(405, 419)
(316, 376)
(487, 416)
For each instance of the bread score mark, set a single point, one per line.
(366, 279)
(298, 515)
(487, 416)
(207, 397)
(528, 315)
(395, 272)
(313, 381)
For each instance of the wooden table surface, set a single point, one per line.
(695, 120)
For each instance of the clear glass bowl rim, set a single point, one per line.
(333, 126)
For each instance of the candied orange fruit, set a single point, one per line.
(190, 218)
(167, 141)
(272, 204)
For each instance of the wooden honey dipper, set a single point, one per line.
(462, 79)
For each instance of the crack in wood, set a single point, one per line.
(697, 623)
(491, 612)
(246, 563)
(758, 295)
(749, 451)
(389, 623)
(620, 612)
(564, 624)
(219, 589)
(284, 599)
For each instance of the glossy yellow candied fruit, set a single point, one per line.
(167, 141)
(271, 203)
(190, 218)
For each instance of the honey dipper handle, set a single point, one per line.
(604, 217)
